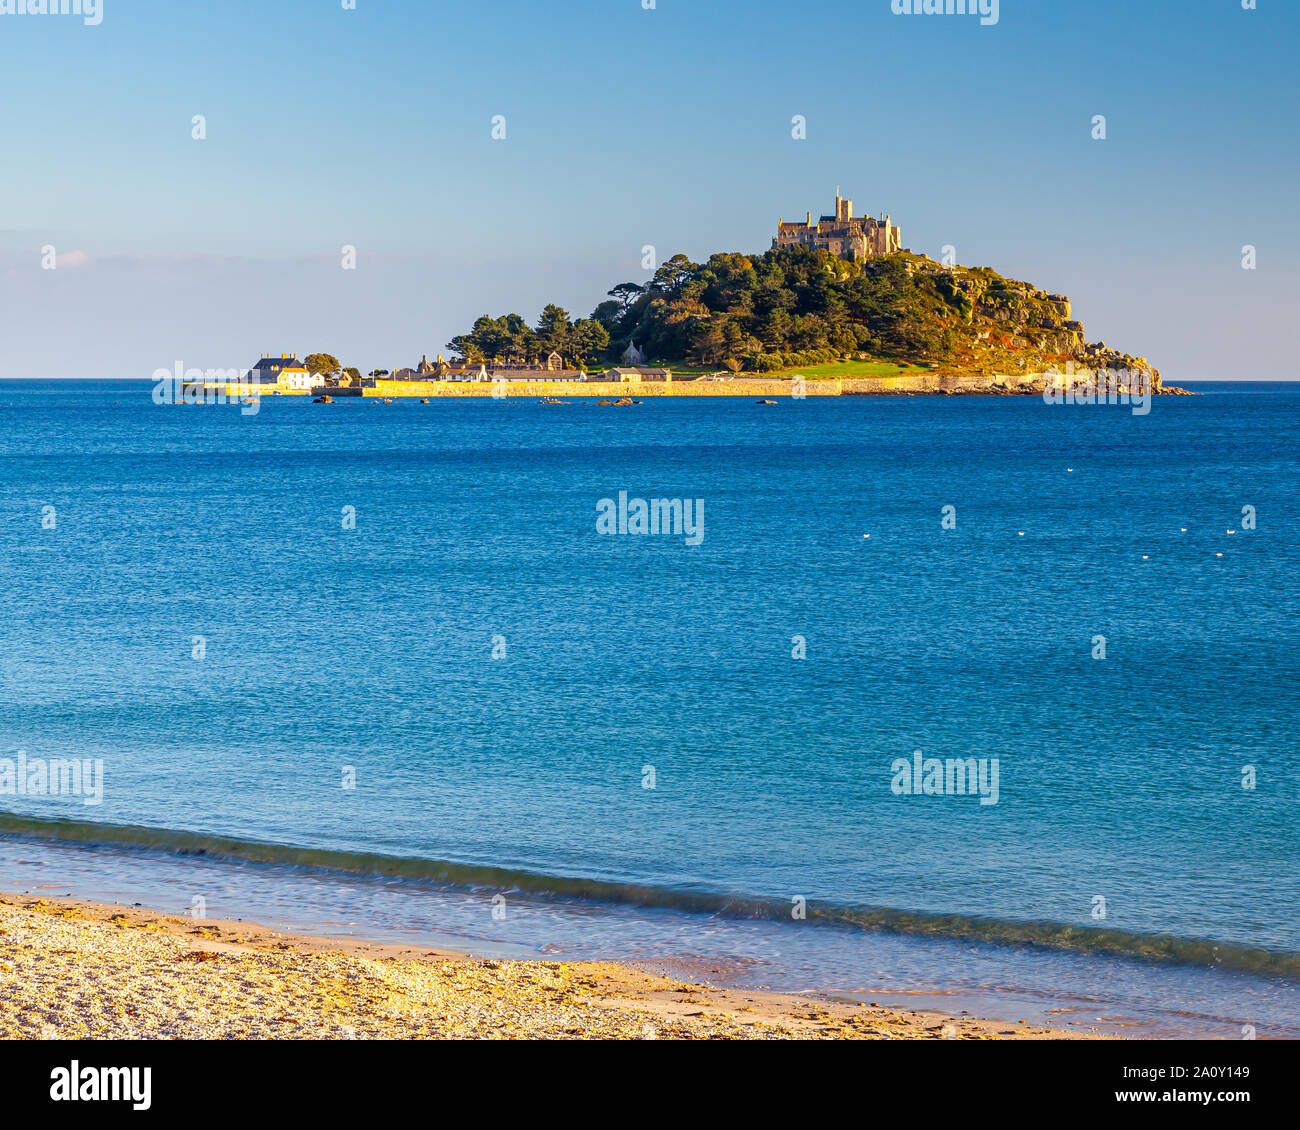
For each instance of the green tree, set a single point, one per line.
(518, 336)
(709, 341)
(673, 274)
(467, 346)
(588, 340)
(626, 294)
(609, 314)
(762, 309)
(321, 364)
(774, 330)
(490, 337)
(553, 330)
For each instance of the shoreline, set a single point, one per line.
(917, 967)
(926, 383)
(77, 969)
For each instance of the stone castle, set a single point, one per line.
(841, 234)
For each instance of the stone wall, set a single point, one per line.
(906, 384)
(612, 389)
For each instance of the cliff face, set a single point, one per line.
(999, 326)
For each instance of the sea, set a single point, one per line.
(415, 672)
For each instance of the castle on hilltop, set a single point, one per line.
(841, 234)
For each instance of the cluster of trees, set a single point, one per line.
(327, 365)
(786, 307)
(510, 338)
(790, 306)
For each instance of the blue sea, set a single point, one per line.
(370, 669)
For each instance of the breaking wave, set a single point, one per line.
(958, 927)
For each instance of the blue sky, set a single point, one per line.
(625, 127)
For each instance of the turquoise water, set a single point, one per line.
(326, 647)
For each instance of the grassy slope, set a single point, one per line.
(833, 370)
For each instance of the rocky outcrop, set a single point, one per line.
(1004, 331)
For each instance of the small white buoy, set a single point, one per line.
(1020, 533)
(1182, 529)
(1232, 531)
(1218, 555)
(1144, 557)
(866, 535)
(1069, 468)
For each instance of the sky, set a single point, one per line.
(626, 126)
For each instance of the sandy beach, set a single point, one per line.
(71, 969)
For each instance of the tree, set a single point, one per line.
(673, 274)
(625, 294)
(710, 342)
(553, 330)
(589, 339)
(609, 314)
(787, 306)
(321, 364)
(493, 338)
(519, 339)
(774, 330)
(490, 337)
(464, 345)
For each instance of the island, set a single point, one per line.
(834, 307)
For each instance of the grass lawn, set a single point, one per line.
(834, 370)
(680, 368)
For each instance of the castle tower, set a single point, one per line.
(841, 234)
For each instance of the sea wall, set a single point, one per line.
(234, 390)
(905, 384)
(615, 389)
(930, 382)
